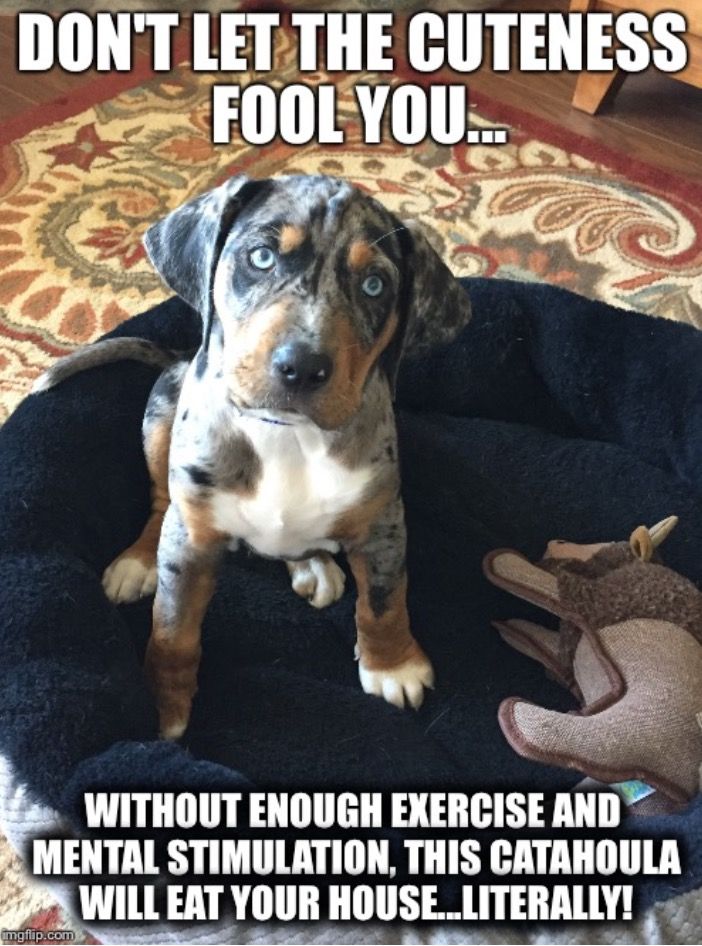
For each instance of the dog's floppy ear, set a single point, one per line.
(184, 247)
(433, 306)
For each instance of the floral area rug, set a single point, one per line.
(79, 187)
(76, 196)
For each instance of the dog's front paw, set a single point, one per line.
(129, 578)
(319, 579)
(402, 684)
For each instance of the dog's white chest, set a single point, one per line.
(301, 493)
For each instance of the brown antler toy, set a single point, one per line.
(629, 648)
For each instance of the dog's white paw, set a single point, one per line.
(173, 731)
(319, 579)
(128, 579)
(401, 685)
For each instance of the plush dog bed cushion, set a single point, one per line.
(551, 416)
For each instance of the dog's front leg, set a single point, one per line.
(391, 662)
(188, 559)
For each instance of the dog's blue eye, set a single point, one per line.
(372, 286)
(262, 257)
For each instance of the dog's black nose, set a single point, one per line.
(296, 365)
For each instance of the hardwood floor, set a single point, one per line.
(654, 118)
(22, 90)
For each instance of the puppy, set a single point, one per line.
(279, 433)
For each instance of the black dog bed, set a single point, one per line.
(551, 416)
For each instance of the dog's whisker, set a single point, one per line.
(389, 233)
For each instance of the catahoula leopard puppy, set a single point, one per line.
(279, 433)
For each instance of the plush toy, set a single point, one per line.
(630, 650)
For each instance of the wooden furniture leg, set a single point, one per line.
(591, 89)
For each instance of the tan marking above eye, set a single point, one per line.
(291, 237)
(360, 254)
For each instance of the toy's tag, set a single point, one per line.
(630, 791)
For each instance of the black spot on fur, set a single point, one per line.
(378, 598)
(199, 476)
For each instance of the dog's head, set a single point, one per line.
(305, 284)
